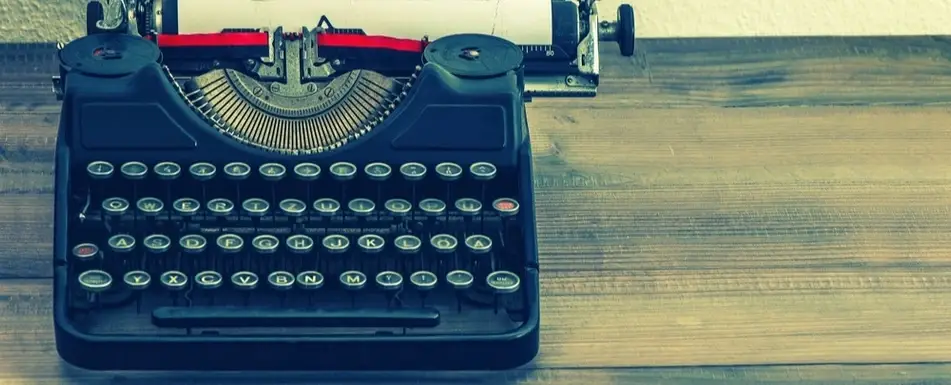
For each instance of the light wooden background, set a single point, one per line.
(728, 211)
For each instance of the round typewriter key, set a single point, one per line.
(483, 170)
(157, 243)
(413, 171)
(121, 243)
(353, 280)
(293, 207)
(310, 280)
(174, 280)
(378, 171)
(389, 280)
(370, 243)
(407, 244)
(255, 207)
(299, 244)
(444, 243)
(220, 207)
(95, 281)
(449, 171)
(281, 280)
(398, 207)
(150, 206)
(230, 243)
(336, 243)
(237, 170)
(85, 251)
(307, 171)
(134, 170)
(505, 206)
(186, 207)
(244, 280)
(361, 207)
(326, 206)
(460, 279)
(479, 244)
(167, 170)
(193, 243)
(115, 206)
(468, 206)
(137, 280)
(343, 170)
(423, 280)
(100, 169)
(432, 206)
(503, 282)
(265, 243)
(272, 171)
(208, 280)
(202, 171)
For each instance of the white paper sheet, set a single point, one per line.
(525, 22)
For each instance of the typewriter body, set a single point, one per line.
(302, 198)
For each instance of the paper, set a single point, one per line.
(524, 22)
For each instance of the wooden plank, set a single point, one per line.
(633, 319)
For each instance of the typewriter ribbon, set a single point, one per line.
(310, 199)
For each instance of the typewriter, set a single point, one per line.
(339, 186)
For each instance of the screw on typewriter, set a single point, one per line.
(193, 153)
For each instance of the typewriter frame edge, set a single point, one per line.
(468, 352)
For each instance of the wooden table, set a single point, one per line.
(726, 211)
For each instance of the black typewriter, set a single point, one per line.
(261, 209)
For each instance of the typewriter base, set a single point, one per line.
(199, 352)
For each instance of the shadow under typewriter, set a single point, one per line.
(156, 260)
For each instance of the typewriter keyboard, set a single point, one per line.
(232, 248)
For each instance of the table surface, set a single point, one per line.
(725, 211)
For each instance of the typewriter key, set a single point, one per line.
(343, 171)
(483, 171)
(460, 280)
(220, 207)
(174, 281)
(309, 280)
(134, 170)
(432, 206)
(449, 171)
(100, 169)
(115, 206)
(326, 206)
(150, 206)
(370, 243)
(361, 207)
(230, 243)
(413, 171)
(137, 281)
(121, 243)
(424, 282)
(237, 171)
(390, 282)
(194, 244)
(479, 244)
(186, 207)
(202, 171)
(468, 206)
(506, 207)
(281, 280)
(502, 282)
(255, 207)
(94, 282)
(84, 252)
(167, 170)
(407, 244)
(157, 243)
(336, 244)
(398, 207)
(293, 207)
(265, 243)
(208, 280)
(444, 243)
(307, 171)
(299, 245)
(353, 280)
(272, 171)
(245, 281)
(378, 171)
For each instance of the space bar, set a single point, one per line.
(240, 317)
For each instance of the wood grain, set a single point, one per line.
(722, 202)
